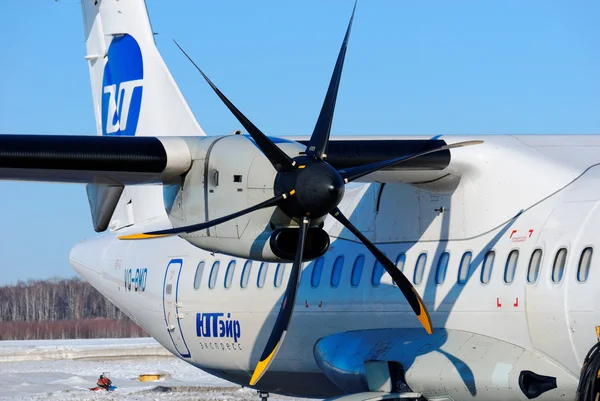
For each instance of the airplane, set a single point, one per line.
(349, 268)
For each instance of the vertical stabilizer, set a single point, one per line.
(133, 90)
(134, 95)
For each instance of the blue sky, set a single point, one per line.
(435, 67)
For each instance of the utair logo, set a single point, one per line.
(122, 87)
(215, 325)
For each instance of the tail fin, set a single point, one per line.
(134, 92)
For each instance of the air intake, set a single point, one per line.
(534, 385)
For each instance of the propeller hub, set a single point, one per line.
(318, 187)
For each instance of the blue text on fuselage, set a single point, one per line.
(216, 325)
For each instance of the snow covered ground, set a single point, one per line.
(43, 350)
(66, 369)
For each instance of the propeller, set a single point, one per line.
(317, 146)
(287, 307)
(354, 173)
(308, 188)
(276, 156)
(203, 226)
(411, 295)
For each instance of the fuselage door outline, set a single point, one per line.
(171, 306)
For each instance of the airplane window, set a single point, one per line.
(262, 275)
(465, 267)
(400, 262)
(534, 266)
(229, 274)
(315, 279)
(511, 266)
(198, 276)
(584, 265)
(558, 270)
(279, 274)
(420, 269)
(357, 270)
(213, 274)
(336, 272)
(377, 274)
(442, 267)
(488, 264)
(246, 274)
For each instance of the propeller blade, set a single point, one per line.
(317, 146)
(276, 156)
(287, 307)
(411, 295)
(354, 173)
(202, 226)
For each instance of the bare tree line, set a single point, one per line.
(67, 308)
(67, 329)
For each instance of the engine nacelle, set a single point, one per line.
(228, 174)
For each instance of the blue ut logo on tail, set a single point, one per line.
(122, 87)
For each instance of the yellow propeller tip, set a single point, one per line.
(140, 236)
(426, 324)
(262, 366)
(424, 318)
(259, 371)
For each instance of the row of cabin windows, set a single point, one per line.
(245, 278)
(533, 272)
(464, 270)
(558, 265)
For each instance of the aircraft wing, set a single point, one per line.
(146, 160)
(92, 159)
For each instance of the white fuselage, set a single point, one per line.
(510, 194)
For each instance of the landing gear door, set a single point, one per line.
(172, 307)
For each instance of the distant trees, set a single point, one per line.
(51, 309)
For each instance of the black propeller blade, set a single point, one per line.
(285, 312)
(318, 190)
(317, 146)
(354, 173)
(202, 226)
(399, 278)
(276, 156)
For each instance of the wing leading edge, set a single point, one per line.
(154, 160)
(109, 163)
